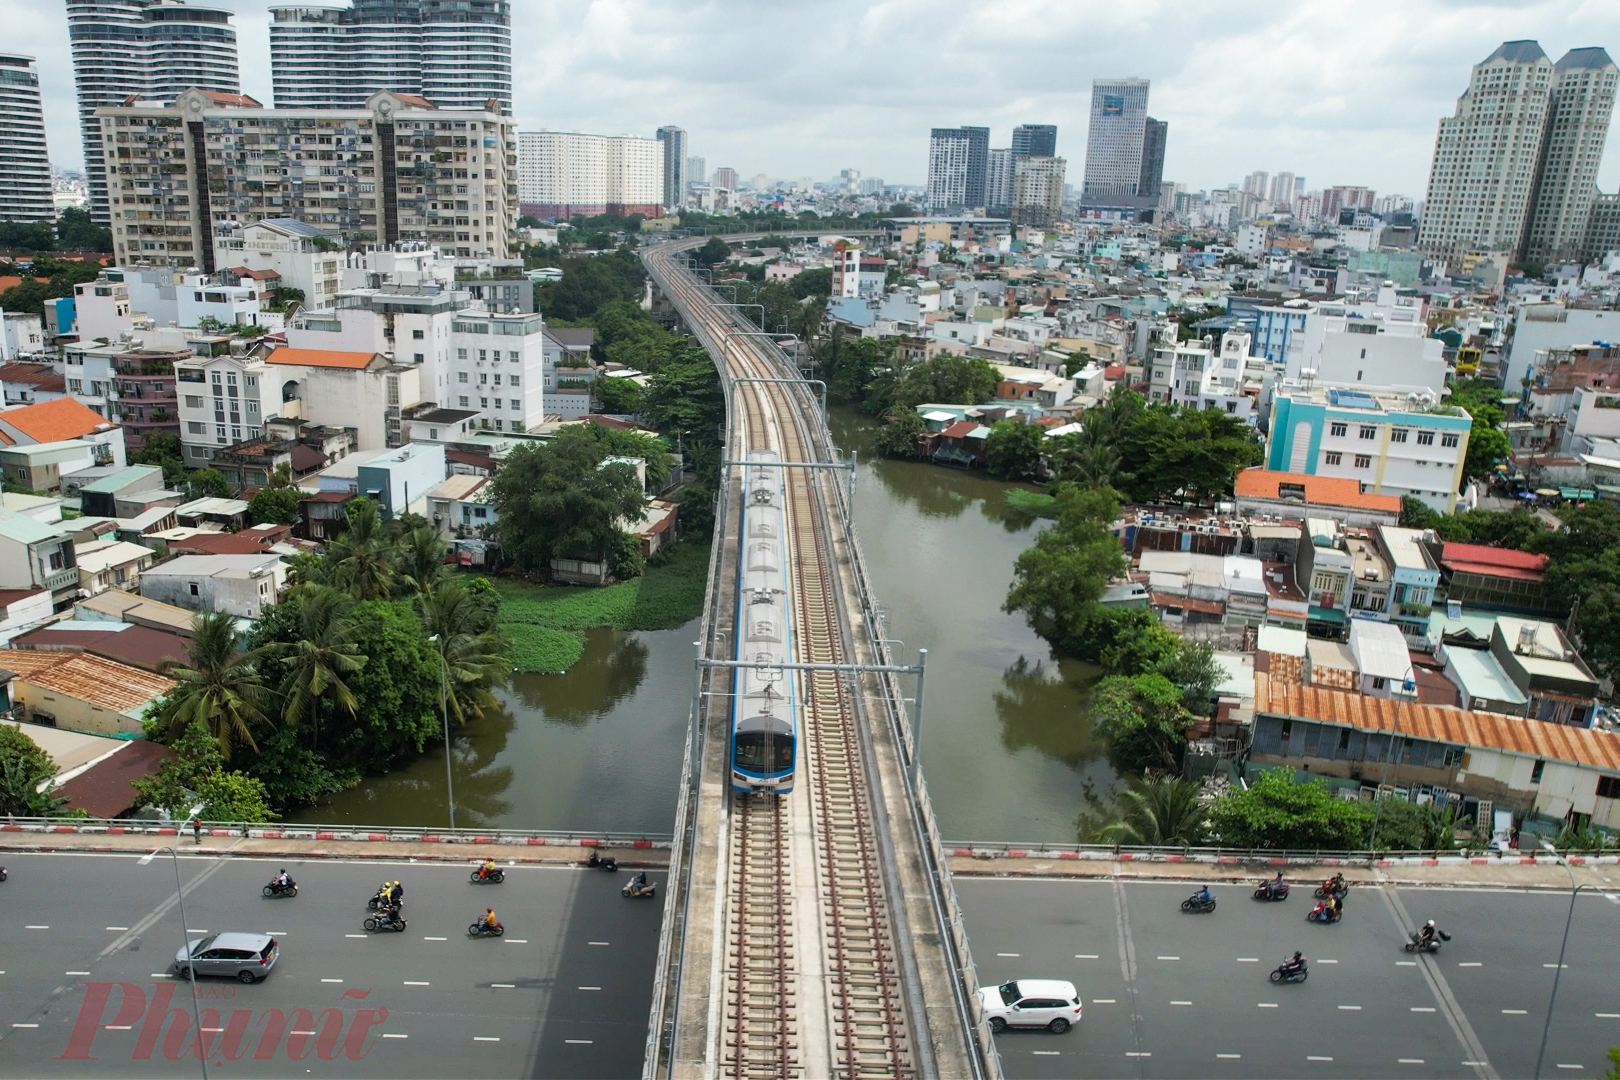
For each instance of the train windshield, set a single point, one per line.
(760, 751)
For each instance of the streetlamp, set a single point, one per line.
(444, 715)
(1390, 759)
(1552, 999)
(185, 938)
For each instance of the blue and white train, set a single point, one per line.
(765, 699)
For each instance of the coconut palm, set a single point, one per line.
(474, 654)
(1157, 811)
(222, 688)
(421, 559)
(324, 651)
(363, 558)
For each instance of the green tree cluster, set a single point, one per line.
(198, 775)
(684, 403)
(591, 282)
(1013, 449)
(24, 769)
(1276, 812)
(75, 231)
(1143, 719)
(277, 503)
(1159, 810)
(59, 276)
(1487, 443)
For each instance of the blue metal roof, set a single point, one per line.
(1517, 52)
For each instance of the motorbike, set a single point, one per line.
(638, 886)
(1415, 941)
(1332, 888)
(1197, 903)
(1284, 973)
(597, 862)
(2, 873)
(380, 900)
(276, 888)
(385, 921)
(1323, 914)
(481, 929)
(494, 877)
(1267, 891)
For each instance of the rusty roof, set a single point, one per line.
(106, 789)
(40, 376)
(1493, 561)
(1319, 490)
(1438, 723)
(102, 682)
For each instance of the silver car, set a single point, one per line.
(248, 957)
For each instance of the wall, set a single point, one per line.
(71, 713)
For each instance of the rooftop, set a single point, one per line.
(113, 686)
(321, 358)
(1404, 548)
(1478, 673)
(201, 566)
(1311, 490)
(55, 421)
(128, 607)
(1493, 561)
(139, 646)
(1380, 650)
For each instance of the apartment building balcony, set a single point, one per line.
(61, 579)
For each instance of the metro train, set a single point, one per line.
(765, 700)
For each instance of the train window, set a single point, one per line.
(756, 748)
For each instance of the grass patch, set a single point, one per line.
(544, 621)
(1033, 503)
(540, 650)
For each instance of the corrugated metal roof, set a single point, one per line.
(106, 683)
(1436, 723)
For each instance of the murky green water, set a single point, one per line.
(1006, 749)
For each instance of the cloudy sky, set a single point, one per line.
(1341, 93)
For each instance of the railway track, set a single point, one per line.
(804, 869)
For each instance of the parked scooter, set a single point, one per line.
(639, 886)
(597, 862)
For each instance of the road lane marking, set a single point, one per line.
(1085, 956)
(75, 973)
(1474, 1064)
(1102, 1001)
(332, 980)
(1316, 1057)
(1406, 963)
(1138, 1053)
(1181, 1003)
(596, 943)
(1409, 1061)
(1046, 1053)
(1169, 958)
(577, 1042)
(391, 1035)
(216, 1031)
(409, 983)
(1561, 1066)
(1248, 959)
(1469, 963)
(1600, 1016)
(1006, 954)
(189, 930)
(435, 939)
(36, 928)
(275, 933)
(590, 988)
(486, 1038)
(1267, 1005)
(118, 928)
(354, 935)
(1515, 1012)
(160, 975)
(1349, 1008)
(1423, 1008)
(1229, 1057)
(1327, 961)
(119, 1027)
(525, 941)
(503, 986)
(1566, 968)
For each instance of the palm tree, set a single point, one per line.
(1158, 811)
(474, 655)
(222, 688)
(363, 557)
(421, 557)
(324, 652)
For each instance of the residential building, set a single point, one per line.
(1150, 184)
(1389, 443)
(111, 564)
(29, 384)
(459, 506)
(1034, 140)
(1593, 415)
(35, 556)
(1281, 193)
(25, 169)
(563, 175)
(725, 179)
(300, 255)
(1336, 200)
(1493, 578)
(1194, 376)
(101, 442)
(101, 309)
(148, 49)
(1383, 664)
(674, 145)
(75, 691)
(144, 647)
(222, 401)
(958, 168)
(1415, 577)
(100, 497)
(1550, 327)
(21, 609)
(998, 184)
(302, 447)
(855, 274)
(21, 335)
(128, 383)
(1116, 144)
(244, 585)
(333, 388)
(400, 168)
(1582, 101)
(122, 607)
(456, 54)
(399, 480)
(568, 372)
(1261, 493)
(697, 168)
(1038, 191)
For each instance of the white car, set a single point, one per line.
(1049, 1003)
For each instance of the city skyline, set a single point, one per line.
(1360, 109)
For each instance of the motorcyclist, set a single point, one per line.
(1426, 935)
(1202, 895)
(1276, 884)
(1294, 963)
(487, 869)
(489, 922)
(1336, 884)
(282, 879)
(396, 894)
(639, 882)
(1335, 905)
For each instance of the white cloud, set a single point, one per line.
(1338, 93)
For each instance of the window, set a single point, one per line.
(193, 586)
(483, 403)
(513, 379)
(1332, 457)
(1363, 461)
(195, 428)
(1339, 429)
(1368, 431)
(1379, 682)
(461, 376)
(418, 357)
(483, 354)
(497, 379)
(517, 404)
(515, 356)
(462, 401)
(1536, 770)
(193, 401)
(416, 335)
(1425, 438)
(1287, 729)
(483, 378)
(500, 402)
(1449, 439)
(461, 354)
(1397, 434)
(1608, 787)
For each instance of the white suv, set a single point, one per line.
(1049, 1003)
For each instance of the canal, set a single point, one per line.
(1007, 751)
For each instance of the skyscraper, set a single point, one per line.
(1256, 184)
(564, 175)
(152, 49)
(958, 167)
(1038, 191)
(725, 178)
(1566, 179)
(1114, 141)
(1486, 155)
(1034, 140)
(998, 186)
(455, 53)
(25, 169)
(674, 140)
(697, 169)
(1154, 135)
(1282, 192)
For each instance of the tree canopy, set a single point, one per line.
(1143, 719)
(24, 767)
(562, 498)
(1057, 581)
(1013, 449)
(1277, 812)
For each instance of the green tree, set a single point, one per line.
(947, 379)
(421, 559)
(474, 655)
(221, 688)
(324, 651)
(899, 435)
(1417, 514)
(1276, 812)
(1058, 580)
(27, 236)
(563, 498)
(397, 691)
(198, 774)
(1143, 720)
(210, 484)
(362, 560)
(24, 769)
(77, 231)
(1158, 811)
(713, 253)
(274, 506)
(1195, 672)
(1406, 826)
(1013, 450)
(620, 397)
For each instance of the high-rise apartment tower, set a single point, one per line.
(1154, 135)
(1034, 140)
(958, 167)
(149, 49)
(674, 140)
(1124, 147)
(998, 185)
(455, 53)
(25, 169)
(564, 175)
(1038, 191)
(1566, 179)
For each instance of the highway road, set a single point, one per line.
(565, 994)
(1169, 994)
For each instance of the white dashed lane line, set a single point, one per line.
(503, 986)
(1566, 968)
(1267, 1005)
(577, 1042)
(1515, 1012)
(1138, 1053)
(1600, 1016)
(1327, 961)
(362, 936)
(1046, 1053)
(1085, 956)
(1102, 1001)
(590, 988)
(409, 983)
(1409, 1061)
(1563, 1066)
(118, 928)
(1349, 1008)
(75, 973)
(1228, 1057)
(32, 927)
(435, 939)
(1423, 1008)
(1316, 1057)
(391, 1035)
(1169, 958)
(1181, 1003)
(1007, 954)
(1406, 963)
(1248, 959)
(118, 1027)
(486, 1038)
(25, 1025)
(517, 941)
(1468, 963)
(331, 980)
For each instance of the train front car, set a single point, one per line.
(765, 702)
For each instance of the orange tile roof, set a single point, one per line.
(417, 100)
(1438, 723)
(102, 682)
(55, 421)
(1319, 490)
(240, 101)
(322, 358)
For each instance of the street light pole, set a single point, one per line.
(185, 938)
(1383, 775)
(1552, 1000)
(444, 716)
